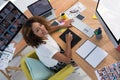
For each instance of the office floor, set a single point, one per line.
(18, 75)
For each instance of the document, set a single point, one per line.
(75, 10)
(91, 53)
(110, 72)
(6, 56)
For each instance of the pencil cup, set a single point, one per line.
(98, 33)
(99, 36)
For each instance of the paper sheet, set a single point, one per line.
(75, 10)
(85, 49)
(6, 56)
(78, 74)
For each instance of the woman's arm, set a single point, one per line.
(66, 57)
(66, 25)
(68, 51)
(61, 57)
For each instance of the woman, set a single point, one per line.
(36, 32)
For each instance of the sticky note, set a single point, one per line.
(94, 16)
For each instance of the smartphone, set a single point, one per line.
(55, 23)
(79, 16)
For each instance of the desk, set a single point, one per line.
(104, 43)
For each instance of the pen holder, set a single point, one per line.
(98, 33)
(99, 36)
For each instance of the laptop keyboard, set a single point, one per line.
(87, 30)
(47, 14)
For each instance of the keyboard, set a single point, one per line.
(47, 14)
(87, 30)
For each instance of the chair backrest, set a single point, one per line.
(61, 75)
(24, 66)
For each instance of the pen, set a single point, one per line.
(98, 31)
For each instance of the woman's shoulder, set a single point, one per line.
(48, 35)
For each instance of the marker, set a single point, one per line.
(98, 31)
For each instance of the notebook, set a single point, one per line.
(75, 40)
(91, 53)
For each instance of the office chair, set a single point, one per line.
(61, 75)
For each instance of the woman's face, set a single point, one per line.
(39, 29)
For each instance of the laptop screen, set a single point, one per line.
(39, 7)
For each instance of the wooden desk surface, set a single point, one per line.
(104, 43)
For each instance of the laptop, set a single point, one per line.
(42, 8)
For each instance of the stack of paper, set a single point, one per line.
(91, 53)
(6, 56)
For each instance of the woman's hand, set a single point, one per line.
(69, 38)
(68, 23)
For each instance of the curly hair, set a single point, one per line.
(27, 32)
